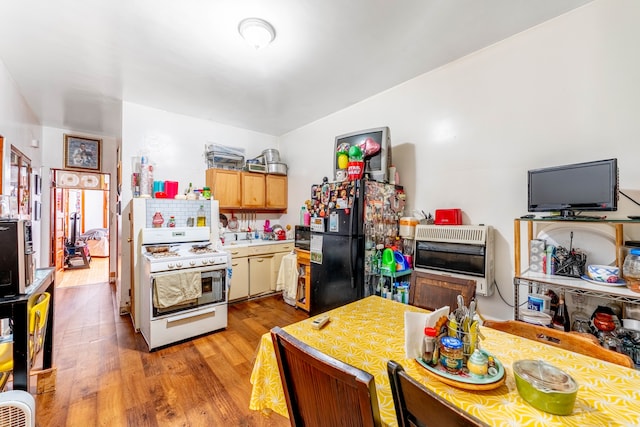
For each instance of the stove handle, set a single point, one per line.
(191, 314)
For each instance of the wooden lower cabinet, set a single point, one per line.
(260, 274)
(303, 297)
(239, 278)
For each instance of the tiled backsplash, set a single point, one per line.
(180, 209)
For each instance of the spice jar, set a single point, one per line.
(429, 344)
(631, 270)
(451, 356)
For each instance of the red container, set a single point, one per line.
(171, 189)
(448, 217)
(355, 170)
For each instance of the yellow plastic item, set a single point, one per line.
(38, 306)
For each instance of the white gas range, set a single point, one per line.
(185, 282)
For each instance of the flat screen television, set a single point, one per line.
(570, 189)
(376, 167)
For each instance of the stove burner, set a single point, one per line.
(200, 250)
(164, 254)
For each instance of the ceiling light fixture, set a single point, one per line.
(257, 32)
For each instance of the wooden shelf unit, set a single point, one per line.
(572, 285)
(303, 296)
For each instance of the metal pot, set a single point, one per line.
(271, 155)
(277, 168)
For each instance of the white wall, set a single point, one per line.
(19, 126)
(465, 135)
(175, 145)
(53, 158)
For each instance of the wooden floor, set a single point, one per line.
(106, 376)
(98, 272)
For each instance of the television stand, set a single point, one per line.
(568, 215)
(574, 217)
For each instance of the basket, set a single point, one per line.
(465, 337)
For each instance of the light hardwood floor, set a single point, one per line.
(98, 272)
(106, 376)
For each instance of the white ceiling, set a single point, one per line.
(75, 61)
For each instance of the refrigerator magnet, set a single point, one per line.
(333, 222)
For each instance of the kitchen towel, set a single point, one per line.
(287, 280)
(175, 289)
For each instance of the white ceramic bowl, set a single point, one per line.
(603, 273)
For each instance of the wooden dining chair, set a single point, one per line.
(323, 391)
(577, 342)
(416, 405)
(432, 291)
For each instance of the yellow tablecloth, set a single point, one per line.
(369, 332)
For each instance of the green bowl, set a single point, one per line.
(545, 387)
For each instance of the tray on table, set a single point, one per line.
(464, 380)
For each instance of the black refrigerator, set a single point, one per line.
(349, 219)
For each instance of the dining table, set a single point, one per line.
(369, 332)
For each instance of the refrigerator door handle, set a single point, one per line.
(352, 264)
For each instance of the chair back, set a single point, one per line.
(432, 291)
(417, 406)
(38, 307)
(321, 390)
(577, 342)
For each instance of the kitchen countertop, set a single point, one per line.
(245, 243)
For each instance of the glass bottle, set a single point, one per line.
(201, 219)
(561, 318)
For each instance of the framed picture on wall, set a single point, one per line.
(82, 153)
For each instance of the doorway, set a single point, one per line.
(80, 227)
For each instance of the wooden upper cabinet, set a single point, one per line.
(248, 190)
(226, 187)
(253, 190)
(276, 192)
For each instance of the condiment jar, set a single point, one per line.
(478, 364)
(172, 221)
(451, 356)
(631, 270)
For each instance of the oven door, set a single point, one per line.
(212, 284)
(451, 257)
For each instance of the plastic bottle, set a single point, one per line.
(303, 210)
(201, 218)
(307, 218)
(429, 344)
(144, 178)
(631, 269)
